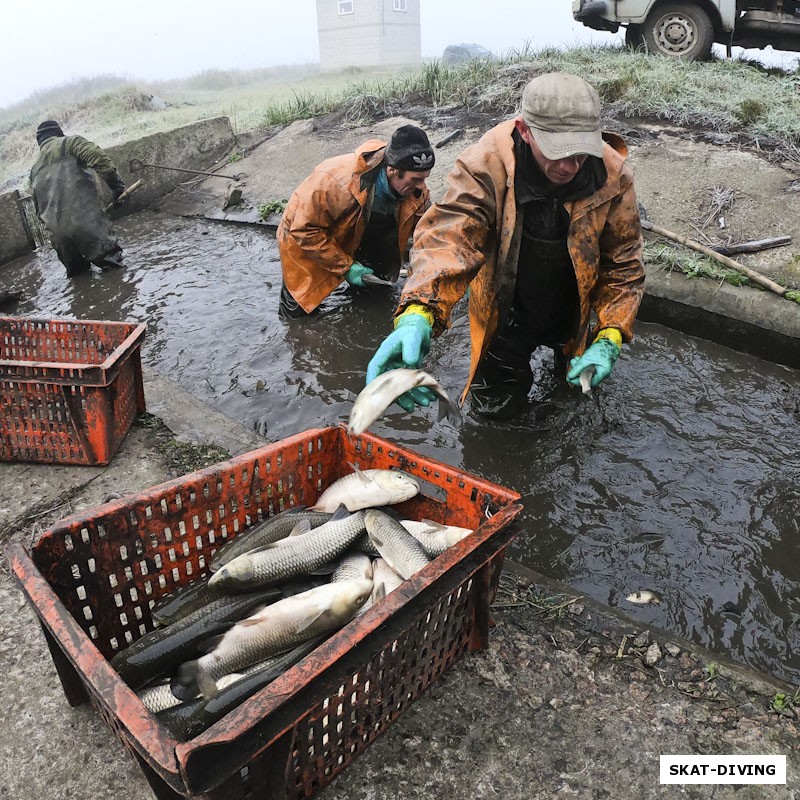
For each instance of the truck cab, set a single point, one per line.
(689, 29)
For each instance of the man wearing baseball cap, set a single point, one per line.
(352, 219)
(540, 223)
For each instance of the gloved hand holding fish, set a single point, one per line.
(384, 390)
(276, 590)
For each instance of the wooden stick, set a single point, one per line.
(132, 188)
(754, 276)
(752, 246)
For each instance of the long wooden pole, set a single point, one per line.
(756, 277)
(132, 188)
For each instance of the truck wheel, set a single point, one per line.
(634, 38)
(681, 30)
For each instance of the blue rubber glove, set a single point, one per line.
(356, 272)
(406, 347)
(601, 355)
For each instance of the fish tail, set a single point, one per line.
(448, 409)
(184, 682)
(205, 682)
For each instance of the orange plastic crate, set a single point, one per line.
(69, 389)
(94, 577)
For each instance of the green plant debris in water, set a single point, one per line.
(271, 207)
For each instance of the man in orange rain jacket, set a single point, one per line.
(540, 223)
(353, 218)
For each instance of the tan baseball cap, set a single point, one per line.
(563, 114)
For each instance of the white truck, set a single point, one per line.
(688, 29)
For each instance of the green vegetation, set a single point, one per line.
(271, 207)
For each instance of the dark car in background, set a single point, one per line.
(461, 53)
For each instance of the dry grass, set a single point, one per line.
(737, 99)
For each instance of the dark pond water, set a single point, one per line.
(682, 475)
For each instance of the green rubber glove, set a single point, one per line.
(601, 355)
(356, 272)
(406, 347)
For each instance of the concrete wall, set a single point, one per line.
(13, 239)
(200, 145)
(375, 34)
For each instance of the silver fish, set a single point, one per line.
(367, 488)
(287, 558)
(644, 596)
(396, 545)
(380, 393)
(158, 697)
(157, 653)
(385, 580)
(280, 627)
(266, 532)
(352, 566)
(434, 537)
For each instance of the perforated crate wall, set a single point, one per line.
(94, 578)
(69, 389)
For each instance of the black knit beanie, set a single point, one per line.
(409, 149)
(47, 130)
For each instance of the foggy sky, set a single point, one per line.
(44, 43)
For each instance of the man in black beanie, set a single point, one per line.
(352, 219)
(66, 198)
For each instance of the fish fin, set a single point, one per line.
(376, 539)
(433, 524)
(361, 476)
(325, 569)
(342, 512)
(302, 527)
(448, 409)
(208, 644)
(206, 684)
(311, 619)
(378, 592)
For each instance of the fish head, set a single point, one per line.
(237, 572)
(400, 485)
(351, 596)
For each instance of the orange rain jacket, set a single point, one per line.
(472, 239)
(325, 218)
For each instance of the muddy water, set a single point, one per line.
(681, 475)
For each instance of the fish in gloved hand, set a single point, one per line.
(381, 392)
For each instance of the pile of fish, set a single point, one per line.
(275, 592)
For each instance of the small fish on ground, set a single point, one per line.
(377, 396)
(367, 488)
(644, 596)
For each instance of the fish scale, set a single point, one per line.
(396, 545)
(280, 627)
(287, 558)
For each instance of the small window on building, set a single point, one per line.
(400, 5)
(346, 7)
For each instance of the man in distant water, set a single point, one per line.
(352, 218)
(66, 198)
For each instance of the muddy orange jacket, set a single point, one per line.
(324, 222)
(472, 239)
